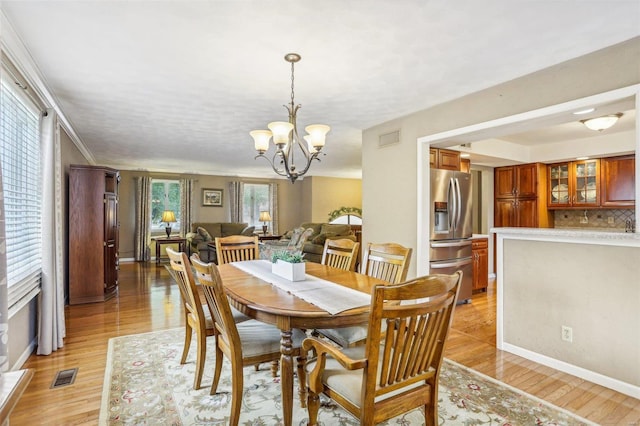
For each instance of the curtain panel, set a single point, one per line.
(273, 207)
(186, 205)
(236, 192)
(4, 306)
(142, 233)
(51, 325)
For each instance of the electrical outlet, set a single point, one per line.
(610, 220)
(567, 334)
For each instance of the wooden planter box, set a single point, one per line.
(289, 271)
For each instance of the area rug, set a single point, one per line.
(146, 385)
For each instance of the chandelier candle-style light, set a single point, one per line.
(286, 139)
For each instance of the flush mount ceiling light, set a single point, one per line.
(286, 139)
(601, 123)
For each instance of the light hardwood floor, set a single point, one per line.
(148, 300)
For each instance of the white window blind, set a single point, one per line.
(21, 181)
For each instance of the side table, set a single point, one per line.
(268, 237)
(181, 242)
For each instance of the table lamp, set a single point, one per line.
(169, 217)
(264, 218)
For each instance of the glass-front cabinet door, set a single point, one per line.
(586, 185)
(559, 185)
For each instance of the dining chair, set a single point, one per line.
(196, 318)
(247, 343)
(340, 253)
(235, 248)
(397, 369)
(386, 261)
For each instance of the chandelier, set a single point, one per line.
(286, 139)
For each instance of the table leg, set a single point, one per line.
(286, 375)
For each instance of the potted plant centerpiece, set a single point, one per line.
(288, 265)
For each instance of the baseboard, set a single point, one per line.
(592, 376)
(127, 260)
(25, 355)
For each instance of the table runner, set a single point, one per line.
(326, 295)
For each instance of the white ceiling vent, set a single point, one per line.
(389, 138)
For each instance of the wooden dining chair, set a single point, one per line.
(247, 343)
(196, 318)
(397, 369)
(388, 262)
(235, 248)
(340, 253)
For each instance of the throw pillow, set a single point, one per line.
(248, 231)
(320, 239)
(204, 233)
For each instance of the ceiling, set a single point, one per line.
(176, 86)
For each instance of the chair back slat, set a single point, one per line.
(180, 264)
(341, 254)
(388, 262)
(418, 316)
(236, 248)
(211, 283)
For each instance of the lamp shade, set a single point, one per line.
(601, 123)
(265, 216)
(168, 216)
(317, 135)
(261, 139)
(280, 130)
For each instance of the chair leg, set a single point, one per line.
(275, 366)
(187, 343)
(201, 356)
(302, 379)
(237, 385)
(313, 404)
(431, 408)
(217, 371)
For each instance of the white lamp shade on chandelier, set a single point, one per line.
(286, 139)
(601, 123)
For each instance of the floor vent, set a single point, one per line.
(64, 378)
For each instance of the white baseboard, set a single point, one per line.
(592, 376)
(25, 354)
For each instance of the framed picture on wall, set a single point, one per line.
(212, 197)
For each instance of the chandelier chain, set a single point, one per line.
(292, 81)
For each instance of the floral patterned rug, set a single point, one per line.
(145, 385)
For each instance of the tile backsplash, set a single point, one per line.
(596, 219)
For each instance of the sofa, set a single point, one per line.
(203, 233)
(314, 245)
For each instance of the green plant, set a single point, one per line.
(343, 211)
(287, 256)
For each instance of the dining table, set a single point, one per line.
(257, 294)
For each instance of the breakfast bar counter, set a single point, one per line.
(570, 299)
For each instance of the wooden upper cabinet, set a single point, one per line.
(465, 165)
(516, 181)
(617, 181)
(574, 184)
(444, 159)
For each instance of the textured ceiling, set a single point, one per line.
(176, 86)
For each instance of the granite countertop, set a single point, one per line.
(569, 235)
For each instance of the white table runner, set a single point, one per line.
(326, 295)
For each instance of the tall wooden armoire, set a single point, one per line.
(93, 233)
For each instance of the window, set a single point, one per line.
(255, 198)
(165, 195)
(22, 183)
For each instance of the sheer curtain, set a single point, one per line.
(273, 207)
(51, 327)
(142, 237)
(4, 307)
(186, 206)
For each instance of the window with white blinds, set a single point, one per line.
(21, 182)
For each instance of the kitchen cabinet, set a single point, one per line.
(519, 193)
(465, 165)
(480, 257)
(444, 159)
(93, 233)
(617, 180)
(574, 184)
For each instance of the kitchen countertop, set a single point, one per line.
(571, 235)
(475, 236)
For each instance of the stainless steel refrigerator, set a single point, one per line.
(450, 227)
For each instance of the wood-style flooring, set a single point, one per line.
(149, 300)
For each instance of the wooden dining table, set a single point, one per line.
(265, 302)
